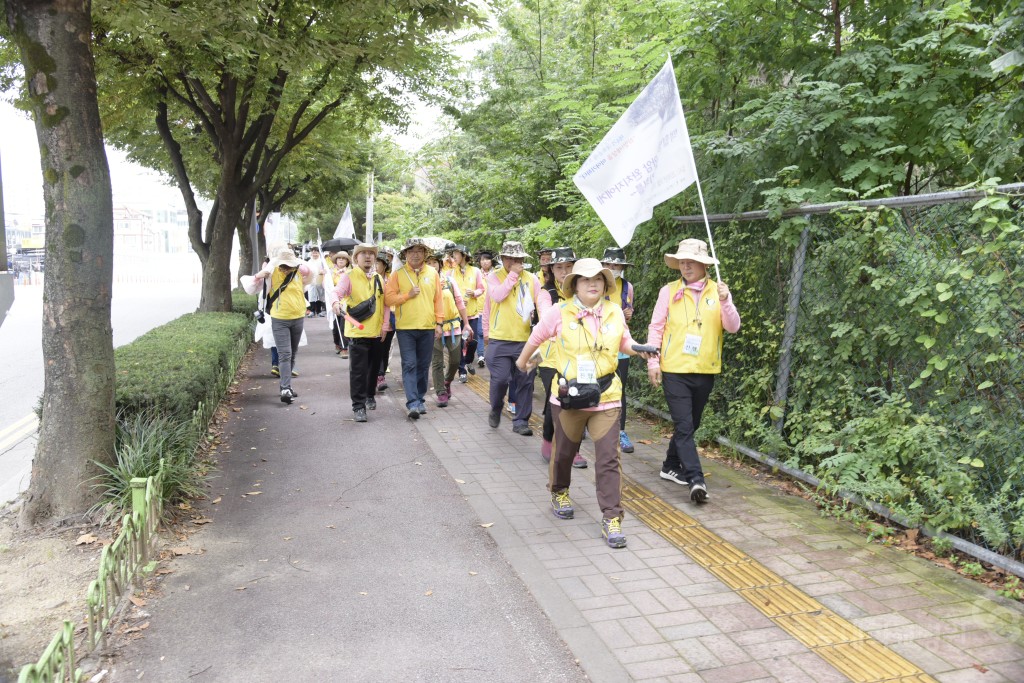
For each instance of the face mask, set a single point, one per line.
(618, 274)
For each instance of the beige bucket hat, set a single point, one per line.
(414, 242)
(587, 267)
(364, 247)
(284, 257)
(690, 250)
(514, 250)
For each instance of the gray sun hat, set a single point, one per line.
(690, 250)
(414, 242)
(563, 255)
(514, 250)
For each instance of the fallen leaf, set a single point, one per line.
(136, 629)
(646, 442)
(236, 410)
(182, 550)
(254, 493)
(262, 429)
(459, 481)
(241, 588)
(417, 463)
(85, 539)
(614, 578)
(137, 601)
(288, 538)
(488, 525)
(442, 431)
(164, 570)
(330, 526)
(303, 408)
(980, 668)
(429, 592)
(252, 448)
(472, 573)
(363, 593)
(215, 500)
(912, 535)
(187, 587)
(204, 520)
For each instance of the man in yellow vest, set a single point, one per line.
(359, 297)
(687, 324)
(415, 292)
(508, 318)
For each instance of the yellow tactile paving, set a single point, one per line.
(850, 650)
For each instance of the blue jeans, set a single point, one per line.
(273, 356)
(417, 349)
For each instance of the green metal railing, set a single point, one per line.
(122, 563)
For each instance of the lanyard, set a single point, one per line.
(696, 306)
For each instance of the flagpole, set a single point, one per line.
(704, 211)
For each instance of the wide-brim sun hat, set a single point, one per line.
(411, 243)
(284, 257)
(690, 250)
(587, 267)
(343, 254)
(563, 255)
(485, 253)
(461, 248)
(514, 250)
(365, 247)
(615, 256)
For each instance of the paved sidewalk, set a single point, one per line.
(356, 523)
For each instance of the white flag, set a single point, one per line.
(642, 161)
(369, 212)
(345, 227)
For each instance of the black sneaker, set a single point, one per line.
(673, 475)
(371, 404)
(523, 430)
(470, 369)
(360, 414)
(414, 414)
(463, 378)
(287, 396)
(480, 362)
(494, 418)
(698, 492)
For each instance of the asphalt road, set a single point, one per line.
(136, 309)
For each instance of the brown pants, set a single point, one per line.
(603, 426)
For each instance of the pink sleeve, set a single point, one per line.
(543, 302)
(627, 339)
(730, 316)
(460, 303)
(479, 282)
(486, 316)
(549, 326)
(657, 327)
(499, 290)
(341, 291)
(536, 289)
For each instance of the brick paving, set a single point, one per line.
(662, 617)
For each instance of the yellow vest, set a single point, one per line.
(452, 320)
(291, 303)
(682, 317)
(466, 282)
(577, 341)
(363, 289)
(417, 313)
(505, 323)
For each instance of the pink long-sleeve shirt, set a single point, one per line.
(497, 291)
(656, 330)
(550, 327)
(344, 289)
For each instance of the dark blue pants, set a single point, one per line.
(417, 349)
(501, 361)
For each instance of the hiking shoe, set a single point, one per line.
(275, 371)
(442, 400)
(579, 462)
(371, 404)
(470, 369)
(463, 378)
(382, 383)
(625, 445)
(698, 492)
(337, 349)
(448, 388)
(414, 414)
(360, 414)
(612, 530)
(422, 408)
(522, 430)
(287, 396)
(480, 362)
(295, 373)
(673, 475)
(344, 354)
(494, 418)
(561, 504)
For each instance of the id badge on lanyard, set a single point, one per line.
(586, 371)
(691, 345)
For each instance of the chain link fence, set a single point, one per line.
(882, 350)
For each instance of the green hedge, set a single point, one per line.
(175, 368)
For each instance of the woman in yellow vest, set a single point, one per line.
(687, 325)
(588, 334)
(286, 305)
(448, 347)
(471, 284)
(352, 296)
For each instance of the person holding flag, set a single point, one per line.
(687, 324)
(614, 259)
(358, 299)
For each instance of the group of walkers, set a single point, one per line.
(569, 323)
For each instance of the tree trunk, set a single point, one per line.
(245, 245)
(215, 295)
(54, 38)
